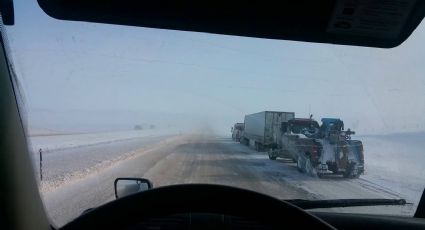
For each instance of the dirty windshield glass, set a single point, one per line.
(105, 101)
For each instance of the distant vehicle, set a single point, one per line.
(237, 131)
(263, 129)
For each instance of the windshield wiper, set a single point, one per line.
(312, 204)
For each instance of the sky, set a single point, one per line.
(87, 76)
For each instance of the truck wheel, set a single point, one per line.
(271, 157)
(309, 167)
(244, 141)
(351, 173)
(348, 175)
(258, 147)
(299, 165)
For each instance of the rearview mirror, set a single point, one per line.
(128, 186)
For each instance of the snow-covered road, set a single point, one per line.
(211, 159)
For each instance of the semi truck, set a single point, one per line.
(263, 130)
(237, 131)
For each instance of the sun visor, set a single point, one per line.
(373, 23)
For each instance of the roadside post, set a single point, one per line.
(41, 164)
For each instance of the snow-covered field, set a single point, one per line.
(64, 141)
(69, 157)
(396, 161)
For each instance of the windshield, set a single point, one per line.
(239, 126)
(106, 101)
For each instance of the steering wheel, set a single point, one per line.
(163, 201)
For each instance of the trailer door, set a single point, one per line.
(268, 128)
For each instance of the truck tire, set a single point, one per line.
(244, 141)
(349, 173)
(346, 175)
(309, 169)
(271, 156)
(259, 147)
(299, 165)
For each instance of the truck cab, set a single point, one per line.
(304, 126)
(237, 130)
(298, 137)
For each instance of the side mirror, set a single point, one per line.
(128, 186)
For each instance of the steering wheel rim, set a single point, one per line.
(174, 199)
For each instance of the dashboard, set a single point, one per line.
(217, 221)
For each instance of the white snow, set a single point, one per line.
(56, 142)
(396, 161)
(74, 156)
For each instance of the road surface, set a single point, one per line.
(209, 159)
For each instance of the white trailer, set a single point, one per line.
(263, 129)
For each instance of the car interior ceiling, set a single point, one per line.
(21, 205)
